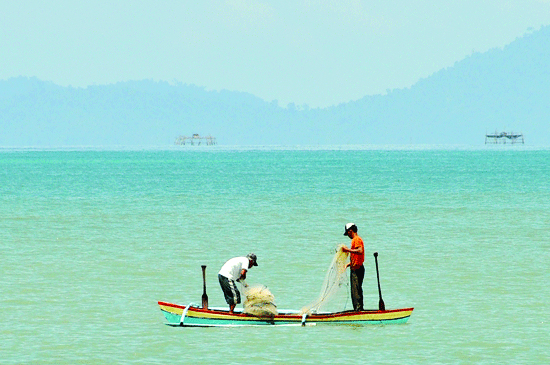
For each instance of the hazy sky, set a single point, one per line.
(311, 52)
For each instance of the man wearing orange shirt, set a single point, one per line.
(357, 270)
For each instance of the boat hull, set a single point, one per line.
(180, 315)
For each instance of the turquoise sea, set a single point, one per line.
(90, 240)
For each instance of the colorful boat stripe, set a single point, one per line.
(196, 316)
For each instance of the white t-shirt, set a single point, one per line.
(232, 268)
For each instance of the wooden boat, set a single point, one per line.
(191, 315)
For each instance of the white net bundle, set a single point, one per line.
(259, 302)
(333, 281)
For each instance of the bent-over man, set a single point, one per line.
(235, 270)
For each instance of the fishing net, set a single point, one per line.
(333, 281)
(259, 302)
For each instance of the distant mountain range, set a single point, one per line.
(501, 89)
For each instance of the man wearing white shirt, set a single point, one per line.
(235, 270)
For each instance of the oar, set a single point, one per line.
(204, 296)
(381, 305)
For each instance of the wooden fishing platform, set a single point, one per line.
(504, 137)
(195, 140)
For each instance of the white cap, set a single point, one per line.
(347, 227)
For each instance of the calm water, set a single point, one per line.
(91, 240)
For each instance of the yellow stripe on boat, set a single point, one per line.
(196, 316)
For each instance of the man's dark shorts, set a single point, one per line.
(230, 291)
